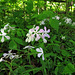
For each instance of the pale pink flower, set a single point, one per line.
(36, 34)
(44, 34)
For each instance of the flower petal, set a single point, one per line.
(43, 57)
(48, 30)
(8, 37)
(37, 37)
(41, 30)
(6, 26)
(41, 49)
(28, 47)
(2, 30)
(44, 40)
(32, 30)
(1, 59)
(46, 35)
(37, 27)
(45, 28)
(38, 50)
(10, 51)
(5, 54)
(2, 40)
(39, 54)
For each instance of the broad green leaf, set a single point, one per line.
(43, 15)
(19, 41)
(65, 53)
(56, 71)
(19, 33)
(69, 68)
(54, 24)
(12, 45)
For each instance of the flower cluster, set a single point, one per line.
(7, 26)
(56, 17)
(43, 21)
(67, 20)
(4, 34)
(9, 55)
(36, 34)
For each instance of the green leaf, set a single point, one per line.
(56, 71)
(43, 15)
(14, 64)
(23, 33)
(69, 0)
(8, 66)
(65, 53)
(50, 54)
(72, 41)
(12, 45)
(56, 48)
(19, 41)
(29, 6)
(19, 70)
(54, 24)
(69, 69)
(19, 33)
(35, 69)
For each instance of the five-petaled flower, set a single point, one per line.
(4, 35)
(40, 50)
(45, 34)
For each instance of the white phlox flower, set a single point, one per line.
(10, 55)
(63, 37)
(40, 50)
(4, 35)
(7, 26)
(67, 20)
(11, 28)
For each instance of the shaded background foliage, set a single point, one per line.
(59, 54)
